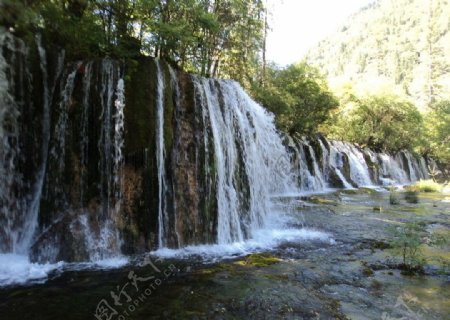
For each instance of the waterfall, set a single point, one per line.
(390, 170)
(359, 172)
(119, 119)
(344, 164)
(163, 219)
(10, 206)
(246, 147)
(423, 168)
(58, 150)
(337, 165)
(110, 146)
(33, 210)
(76, 186)
(84, 132)
(176, 89)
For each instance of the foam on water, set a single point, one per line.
(17, 269)
(111, 263)
(264, 240)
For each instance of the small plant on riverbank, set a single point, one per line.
(411, 196)
(393, 196)
(406, 243)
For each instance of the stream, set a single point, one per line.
(331, 261)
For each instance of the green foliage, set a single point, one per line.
(401, 44)
(427, 186)
(411, 196)
(406, 243)
(437, 125)
(211, 38)
(380, 122)
(299, 97)
(394, 198)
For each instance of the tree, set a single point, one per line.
(213, 38)
(382, 122)
(437, 124)
(299, 97)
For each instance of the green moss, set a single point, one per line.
(367, 271)
(220, 267)
(258, 260)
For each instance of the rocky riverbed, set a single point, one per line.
(355, 275)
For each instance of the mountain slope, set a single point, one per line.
(401, 44)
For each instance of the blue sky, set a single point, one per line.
(297, 25)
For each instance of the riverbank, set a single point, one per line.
(353, 276)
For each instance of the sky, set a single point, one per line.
(298, 25)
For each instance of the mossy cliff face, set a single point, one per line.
(90, 128)
(139, 219)
(189, 192)
(88, 191)
(81, 194)
(193, 169)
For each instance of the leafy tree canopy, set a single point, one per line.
(382, 122)
(218, 38)
(299, 97)
(437, 127)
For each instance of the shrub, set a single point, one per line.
(427, 186)
(411, 196)
(393, 197)
(406, 242)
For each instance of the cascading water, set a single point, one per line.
(310, 176)
(246, 147)
(163, 219)
(10, 207)
(110, 145)
(207, 164)
(47, 98)
(359, 172)
(84, 132)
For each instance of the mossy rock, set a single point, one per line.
(358, 191)
(320, 200)
(258, 260)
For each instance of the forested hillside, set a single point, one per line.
(396, 44)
